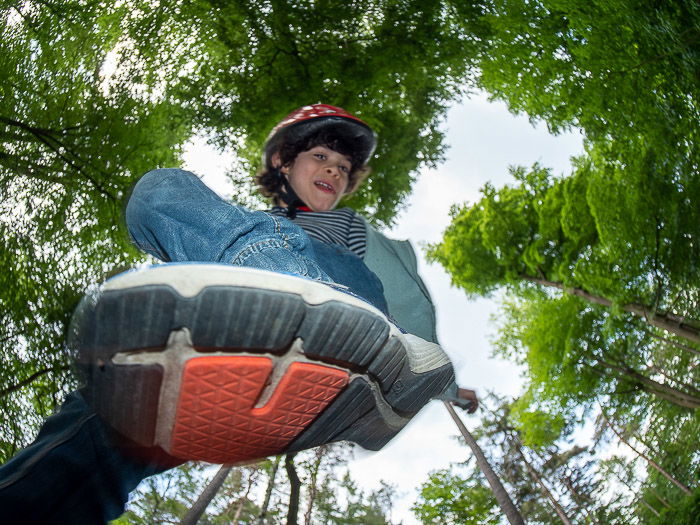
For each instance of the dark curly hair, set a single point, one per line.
(291, 141)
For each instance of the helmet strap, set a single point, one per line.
(289, 196)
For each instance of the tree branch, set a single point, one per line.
(650, 461)
(48, 139)
(31, 379)
(668, 321)
(295, 489)
(666, 392)
(675, 343)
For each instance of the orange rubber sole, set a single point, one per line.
(216, 419)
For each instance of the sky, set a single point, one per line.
(484, 140)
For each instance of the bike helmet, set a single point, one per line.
(308, 120)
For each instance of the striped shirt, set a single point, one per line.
(344, 227)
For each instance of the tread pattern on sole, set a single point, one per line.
(142, 318)
(341, 333)
(120, 407)
(106, 323)
(216, 420)
(220, 318)
(349, 407)
(215, 424)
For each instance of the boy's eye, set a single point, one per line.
(344, 169)
(320, 156)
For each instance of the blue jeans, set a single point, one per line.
(73, 472)
(77, 471)
(173, 216)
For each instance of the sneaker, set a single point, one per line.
(227, 364)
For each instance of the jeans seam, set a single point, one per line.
(61, 439)
(278, 230)
(258, 247)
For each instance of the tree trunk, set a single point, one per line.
(239, 509)
(669, 321)
(583, 502)
(668, 393)
(658, 496)
(295, 489)
(650, 461)
(268, 492)
(204, 499)
(506, 504)
(545, 490)
(652, 509)
(675, 343)
(313, 488)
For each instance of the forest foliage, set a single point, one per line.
(261, 493)
(597, 270)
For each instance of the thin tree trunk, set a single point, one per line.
(239, 509)
(313, 488)
(650, 461)
(675, 343)
(295, 490)
(669, 321)
(658, 496)
(670, 394)
(582, 501)
(545, 490)
(268, 492)
(204, 499)
(506, 504)
(652, 509)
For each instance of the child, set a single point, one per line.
(280, 334)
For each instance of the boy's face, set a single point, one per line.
(319, 177)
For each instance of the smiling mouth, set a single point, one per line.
(324, 186)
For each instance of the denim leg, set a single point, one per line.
(346, 268)
(175, 217)
(72, 473)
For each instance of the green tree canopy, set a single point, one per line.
(598, 268)
(447, 498)
(621, 70)
(71, 143)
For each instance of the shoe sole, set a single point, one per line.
(226, 364)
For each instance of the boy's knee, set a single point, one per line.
(158, 185)
(150, 192)
(164, 176)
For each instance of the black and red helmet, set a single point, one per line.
(308, 120)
